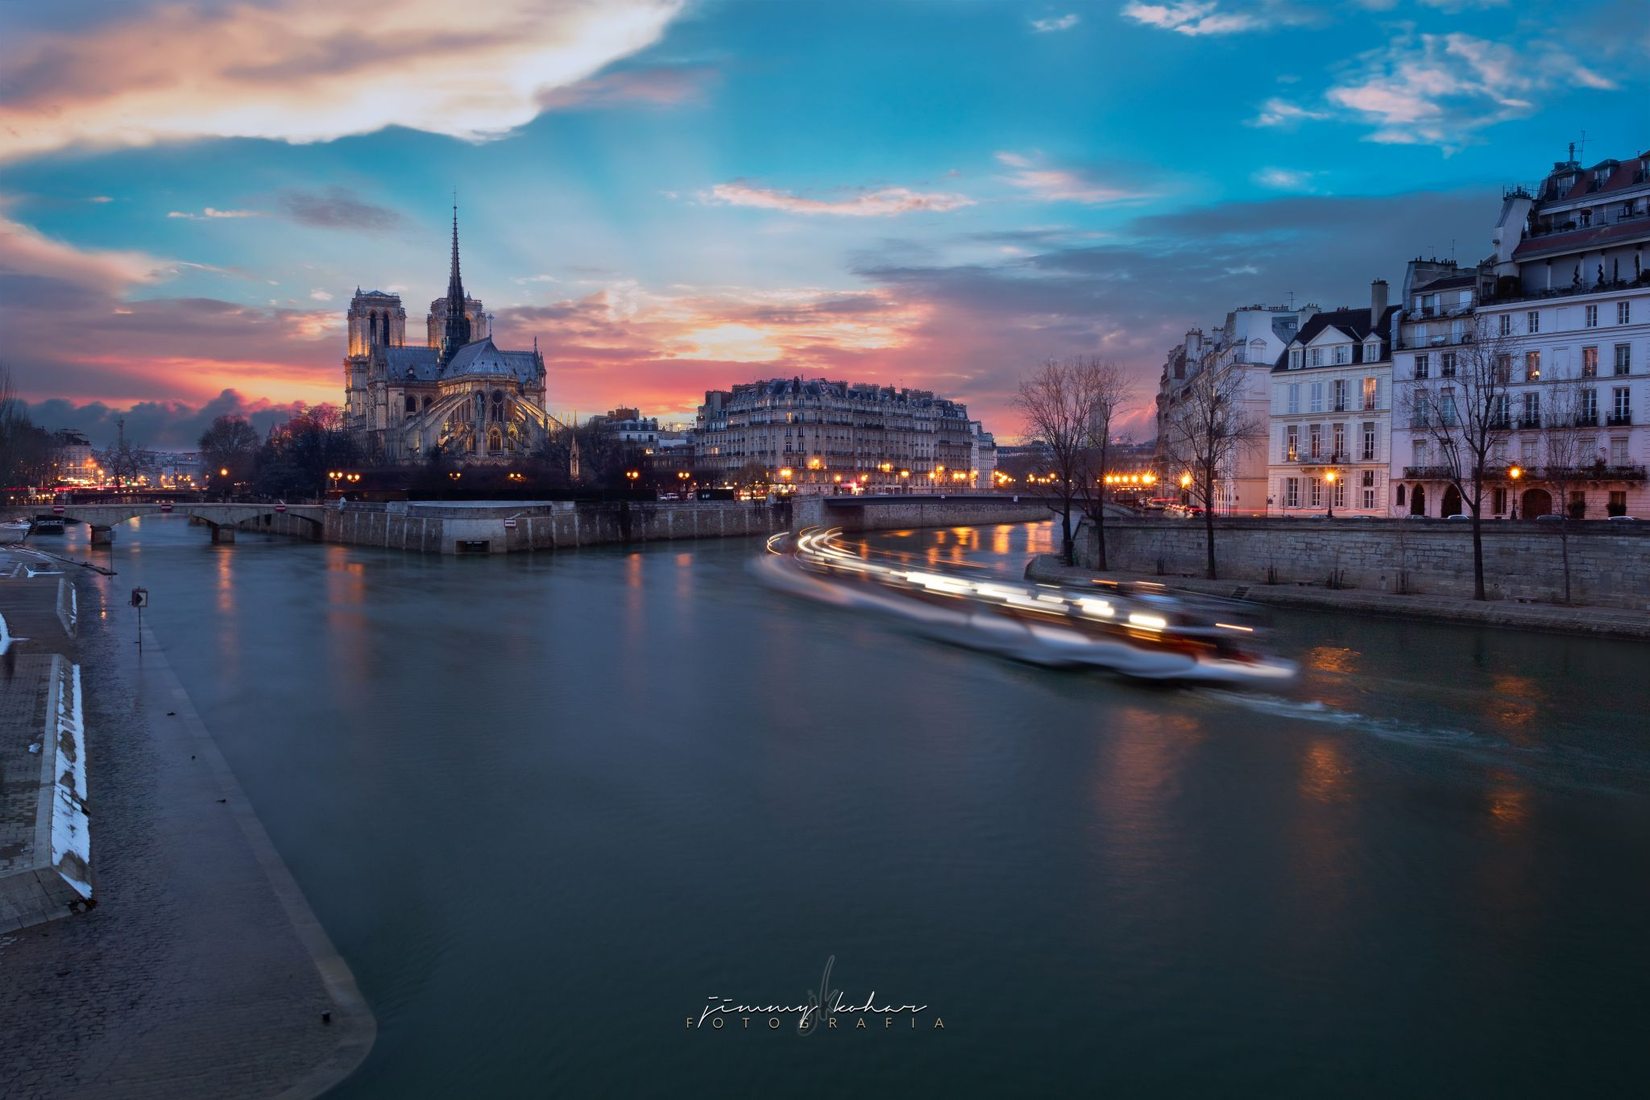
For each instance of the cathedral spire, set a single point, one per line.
(457, 330)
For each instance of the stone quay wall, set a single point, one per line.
(894, 513)
(1609, 562)
(456, 528)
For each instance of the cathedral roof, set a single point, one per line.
(483, 358)
(423, 363)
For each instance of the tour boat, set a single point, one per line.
(1148, 633)
(47, 525)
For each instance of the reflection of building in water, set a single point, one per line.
(458, 391)
(835, 433)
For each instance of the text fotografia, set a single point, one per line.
(825, 1010)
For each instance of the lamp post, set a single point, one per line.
(1186, 487)
(1330, 477)
(1513, 474)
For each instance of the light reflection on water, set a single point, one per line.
(547, 805)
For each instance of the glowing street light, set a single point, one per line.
(1514, 472)
(1329, 477)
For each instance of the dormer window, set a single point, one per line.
(1294, 358)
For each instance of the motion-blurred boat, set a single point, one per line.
(1138, 631)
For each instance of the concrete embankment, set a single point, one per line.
(874, 513)
(201, 971)
(1605, 622)
(1609, 563)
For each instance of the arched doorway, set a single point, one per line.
(1452, 502)
(1418, 501)
(1535, 502)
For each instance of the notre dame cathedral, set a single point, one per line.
(456, 391)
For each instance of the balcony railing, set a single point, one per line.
(1429, 473)
(1619, 419)
(1436, 340)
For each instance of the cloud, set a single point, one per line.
(1427, 89)
(338, 208)
(1055, 25)
(158, 425)
(211, 213)
(1191, 17)
(27, 253)
(882, 202)
(310, 70)
(1284, 179)
(1279, 112)
(320, 295)
(648, 86)
(1060, 184)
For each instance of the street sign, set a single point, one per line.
(165, 506)
(57, 509)
(140, 597)
(510, 524)
(280, 508)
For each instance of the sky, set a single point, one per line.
(679, 195)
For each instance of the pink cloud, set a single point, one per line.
(882, 202)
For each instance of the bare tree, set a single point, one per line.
(1110, 390)
(231, 443)
(1205, 432)
(1566, 438)
(1062, 404)
(1466, 415)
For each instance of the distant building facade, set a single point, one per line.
(456, 391)
(820, 434)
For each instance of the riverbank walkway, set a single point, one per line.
(201, 972)
(1603, 622)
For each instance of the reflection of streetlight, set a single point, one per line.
(454, 475)
(1515, 473)
(632, 475)
(1329, 476)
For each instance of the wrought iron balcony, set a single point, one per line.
(1429, 473)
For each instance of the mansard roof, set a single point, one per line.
(1350, 325)
(419, 363)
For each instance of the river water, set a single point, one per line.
(550, 807)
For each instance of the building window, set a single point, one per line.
(1291, 443)
(1618, 503)
(1314, 441)
(1317, 397)
(1503, 369)
(1624, 312)
(1294, 397)
(1591, 316)
(1532, 411)
(1314, 493)
(1314, 357)
(1526, 451)
(1369, 441)
(1343, 354)
(1624, 358)
(1372, 390)
(1446, 407)
(1588, 412)
(1339, 492)
(1532, 366)
(1618, 450)
(1368, 487)
(1532, 321)
(1621, 410)
(1446, 364)
(1423, 367)
(1506, 324)
(1499, 505)
(1291, 492)
(1422, 452)
(1501, 415)
(1589, 362)
(1339, 452)
(1294, 358)
(1339, 392)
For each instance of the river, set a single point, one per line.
(550, 807)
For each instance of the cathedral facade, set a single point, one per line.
(455, 391)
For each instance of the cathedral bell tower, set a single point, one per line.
(457, 331)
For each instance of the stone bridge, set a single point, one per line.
(223, 519)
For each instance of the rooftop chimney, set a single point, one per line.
(1377, 303)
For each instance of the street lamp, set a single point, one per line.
(1514, 473)
(1329, 477)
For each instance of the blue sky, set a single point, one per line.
(673, 196)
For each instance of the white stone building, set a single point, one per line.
(1330, 439)
(1566, 297)
(816, 434)
(1249, 343)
